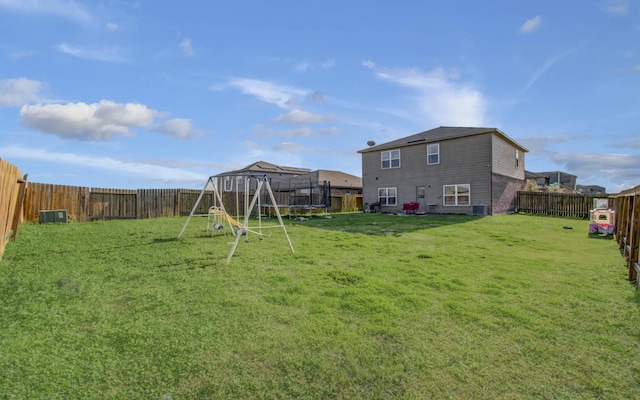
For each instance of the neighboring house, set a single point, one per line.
(276, 174)
(316, 188)
(339, 182)
(446, 170)
(539, 179)
(554, 178)
(591, 189)
(293, 179)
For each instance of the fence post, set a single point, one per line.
(17, 214)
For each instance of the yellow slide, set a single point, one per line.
(215, 211)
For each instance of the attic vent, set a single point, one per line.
(416, 141)
(479, 209)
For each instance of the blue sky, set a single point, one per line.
(157, 94)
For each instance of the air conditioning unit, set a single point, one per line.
(479, 209)
(47, 216)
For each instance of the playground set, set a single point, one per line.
(218, 217)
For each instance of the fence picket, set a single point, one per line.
(11, 185)
(556, 204)
(88, 204)
(627, 207)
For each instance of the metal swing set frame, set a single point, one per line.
(243, 227)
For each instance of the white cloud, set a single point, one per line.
(531, 25)
(619, 7)
(112, 54)
(288, 146)
(329, 63)
(178, 128)
(627, 70)
(17, 92)
(112, 26)
(548, 64)
(315, 97)
(538, 144)
(304, 117)
(186, 47)
(157, 173)
(302, 132)
(283, 96)
(623, 169)
(296, 148)
(307, 65)
(20, 55)
(67, 9)
(369, 64)
(438, 95)
(81, 121)
(630, 144)
(303, 66)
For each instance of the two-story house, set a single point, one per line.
(457, 170)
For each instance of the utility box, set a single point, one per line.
(47, 216)
(479, 209)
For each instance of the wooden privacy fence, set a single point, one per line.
(627, 207)
(559, 204)
(43, 196)
(12, 188)
(88, 204)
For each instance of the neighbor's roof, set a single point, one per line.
(336, 178)
(533, 175)
(555, 173)
(265, 167)
(439, 134)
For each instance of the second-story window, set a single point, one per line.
(390, 159)
(433, 154)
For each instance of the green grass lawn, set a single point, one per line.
(367, 307)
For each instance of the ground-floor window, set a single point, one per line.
(456, 195)
(388, 196)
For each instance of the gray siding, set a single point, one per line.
(464, 160)
(504, 158)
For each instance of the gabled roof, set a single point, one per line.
(440, 134)
(336, 178)
(555, 173)
(534, 175)
(265, 167)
